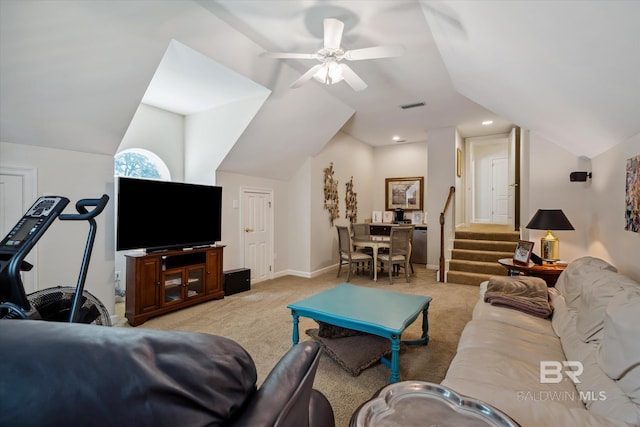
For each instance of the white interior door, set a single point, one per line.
(499, 191)
(257, 232)
(16, 197)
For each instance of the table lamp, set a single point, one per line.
(550, 219)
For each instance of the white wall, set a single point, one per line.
(605, 222)
(161, 132)
(300, 221)
(442, 176)
(550, 188)
(76, 176)
(397, 161)
(305, 242)
(211, 134)
(350, 157)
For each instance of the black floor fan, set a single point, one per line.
(54, 304)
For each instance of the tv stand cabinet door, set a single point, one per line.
(143, 288)
(213, 280)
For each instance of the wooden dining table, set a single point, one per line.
(373, 242)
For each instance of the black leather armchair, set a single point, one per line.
(58, 374)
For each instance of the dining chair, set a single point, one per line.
(398, 266)
(361, 229)
(399, 251)
(348, 256)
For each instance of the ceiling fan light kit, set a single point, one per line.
(331, 70)
(329, 73)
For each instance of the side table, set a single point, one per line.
(548, 272)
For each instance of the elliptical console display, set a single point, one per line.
(34, 223)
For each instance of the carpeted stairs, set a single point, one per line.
(476, 251)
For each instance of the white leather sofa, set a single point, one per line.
(596, 322)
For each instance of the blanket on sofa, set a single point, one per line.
(524, 293)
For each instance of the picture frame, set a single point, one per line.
(523, 251)
(376, 217)
(387, 217)
(416, 217)
(404, 193)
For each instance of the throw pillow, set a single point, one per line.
(356, 353)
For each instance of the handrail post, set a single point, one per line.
(452, 190)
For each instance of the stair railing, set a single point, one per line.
(452, 190)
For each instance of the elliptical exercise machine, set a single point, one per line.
(61, 303)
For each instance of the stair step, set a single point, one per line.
(485, 245)
(509, 236)
(476, 251)
(464, 278)
(475, 255)
(492, 268)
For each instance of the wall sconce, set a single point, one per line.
(579, 176)
(550, 219)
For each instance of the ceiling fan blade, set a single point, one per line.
(374, 52)
(352, 78)
(333, 33)
(306, 76)
(285, 55)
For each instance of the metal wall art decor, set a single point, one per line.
(632, 197)
(331, 194)
(350, 200)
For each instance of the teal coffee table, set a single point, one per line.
(374, 311)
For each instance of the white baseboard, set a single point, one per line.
(305, 274)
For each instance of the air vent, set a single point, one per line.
(417, 104)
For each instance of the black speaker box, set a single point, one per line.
(238, 280)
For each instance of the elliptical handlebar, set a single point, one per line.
(84, 214)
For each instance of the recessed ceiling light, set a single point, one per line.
(396, 138)
(487, 122)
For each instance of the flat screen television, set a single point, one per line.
(160, 215)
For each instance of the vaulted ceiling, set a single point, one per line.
(72, 73)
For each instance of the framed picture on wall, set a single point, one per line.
(404, 193)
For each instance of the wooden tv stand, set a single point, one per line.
(161, 282)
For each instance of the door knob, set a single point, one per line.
(247, 230)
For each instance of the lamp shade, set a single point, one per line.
(550, 219)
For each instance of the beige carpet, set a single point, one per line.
(259, 320)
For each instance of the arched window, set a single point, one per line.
(139, 163)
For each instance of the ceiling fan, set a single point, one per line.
(331, 70)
